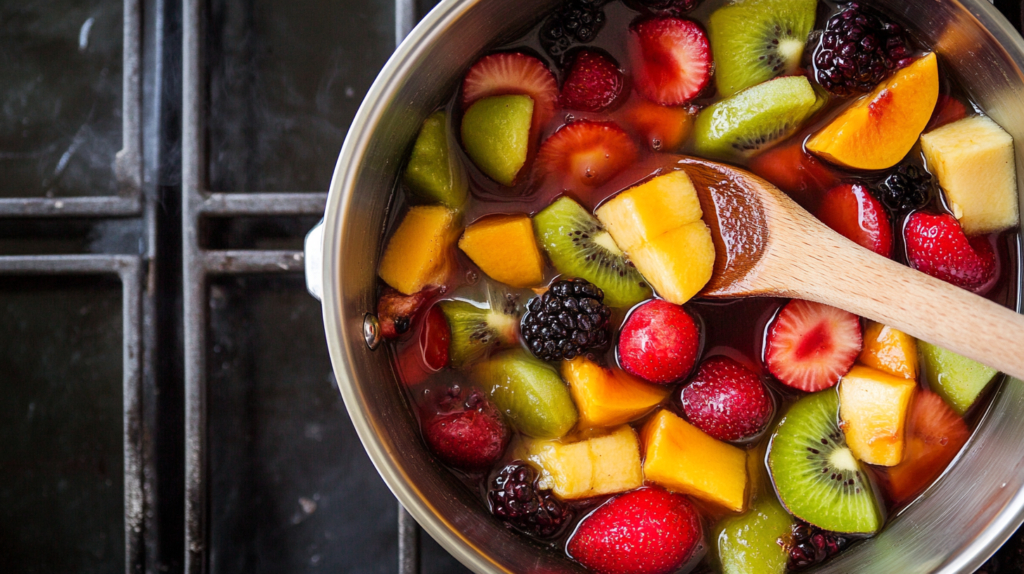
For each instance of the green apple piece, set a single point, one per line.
(957, 379)
(529, 392)
(496, 134)
(749, 543)
(432, 173)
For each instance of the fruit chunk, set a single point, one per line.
(511, 74)
(955, 378)
(566, 321)
(648, 531)
(671, 59)
(503, 247)
(658, 342)
(756, 40)
(395, 311)
(936, 245)
(496, 134)
(889, 351)
(432, 173)
(608, 397)
(516, 498)
(727, 400)
(815, 475)
(585, 154)
(678, 456)
(589, 467)
(947, 110)
(859, 48)
(974, 162)
(530, 393)
(755, 119)
(659, 225)
(854, 213)
(755, 542)
(419, 252)
(579, 247)
(877, 131)
(593, 83)
(471, 436)
(476, 331)
(935, 434)
(794, 171)
(435, 339)
(810, 345)
(873, 408)
(664, 128)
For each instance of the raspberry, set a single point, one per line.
(909, 187)
(859, 49)
(515, 498)
(567, 321)
(574, 22)
(812, 545)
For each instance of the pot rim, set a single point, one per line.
(337, 212)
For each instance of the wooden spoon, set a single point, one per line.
(767, 245)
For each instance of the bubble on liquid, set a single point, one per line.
(472, 277)
(656, 144)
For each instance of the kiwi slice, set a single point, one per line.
(476, 331)
(756, 118)
(432, 173)
(529, 393)
(814, 472)
(579, 246)
(756, 40)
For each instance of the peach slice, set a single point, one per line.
(418, 254)
(607, 397)
(504, 247)
(889, 351)
(877, 131)
(873, 407)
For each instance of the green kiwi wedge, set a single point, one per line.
(957, 379)
(815, 475)
(477, 331)
(432, 173)
(496, 135)
(757, 40)
(529, 392)
(579, 246)
(756, 118)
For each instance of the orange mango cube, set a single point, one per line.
(419, 252)
(873, 408)
(593, 466)
(680, 457)
(679, 263)
(889, 351)
(504, 247)
(607, 397)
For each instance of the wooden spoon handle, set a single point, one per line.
(840, 273)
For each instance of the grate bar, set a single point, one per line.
(229, 262)
(109, 206)
(233, 204)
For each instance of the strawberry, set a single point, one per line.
(664, 128)
(790, 168)
(593, 82)
(936, 245)
(435, 338)
(395, 311)
(470, 434)
(810, 346)
(727, 400)
(646, 531)
(671, 59)
(935, 435)
(947, 110)
(659, 342)
(585, 154)
(854, 213)
(513, 73)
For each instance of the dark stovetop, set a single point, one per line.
(94, 327)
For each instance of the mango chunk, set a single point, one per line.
(680, 457)
(873, 408)
(889, 351)
(679, 263)
(642, 213)
(974, 163)
(419, 252)
(608, 397)
(590, 467)
(504, 247)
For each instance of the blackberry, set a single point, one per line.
(574, 22)
(515, 498)
(675, 7)
(568, 320)
(909, 187)
(812, 545)
(857, 50)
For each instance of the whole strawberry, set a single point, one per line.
(936, 245)
(470, 434)
(659, 342)
(646, 531)
(593, 82)
(727, 400)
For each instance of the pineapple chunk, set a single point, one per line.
(504, 247)
(644, 212)
(419, 252)
(889, 351)
(974, 163)
(680, 457)
(873, 407)
(590, 467)
(679, 263)
(606, 397)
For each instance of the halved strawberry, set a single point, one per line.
(947, 110)
(593, 82)
(671, 59)
(935, 434)
(854, 213)
(664, 128)
(936, 245)
(811, 346)
(585, 154)
(513, 73)
(794, 171)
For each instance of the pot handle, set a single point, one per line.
(314, 255)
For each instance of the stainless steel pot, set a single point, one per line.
(954, 527)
